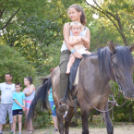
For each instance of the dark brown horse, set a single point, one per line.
(95, 72)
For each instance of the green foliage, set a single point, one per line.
(124, 113)
(116, 15)
(42, 118)
(12, 62)
(51, 61)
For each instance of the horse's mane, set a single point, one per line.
(124, 58)
(104, 58)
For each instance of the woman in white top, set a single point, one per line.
(76, 13)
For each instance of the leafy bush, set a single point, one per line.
(12, 62)
(124, 113)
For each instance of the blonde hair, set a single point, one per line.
(75, 23)
(80, 9)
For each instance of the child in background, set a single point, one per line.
(18, 106)
(79, 47)
(52, 106)
(29, 92)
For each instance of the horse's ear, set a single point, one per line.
(111, 47)
(131, 48)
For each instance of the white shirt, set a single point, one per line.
(7, 91)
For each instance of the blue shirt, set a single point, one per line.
(19, 97)
(50, 97)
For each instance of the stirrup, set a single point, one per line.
(62, 100)
(62, 107)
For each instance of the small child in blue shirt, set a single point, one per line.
(18, 106)
(53, 108)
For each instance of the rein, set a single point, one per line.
(91, 102)
(119, 88)
(119, 91)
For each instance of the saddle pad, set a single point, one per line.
(76, 77)
(72, 74)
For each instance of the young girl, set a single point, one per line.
(19, 104)
(75, 28)
(52, 106)
(29, 93)
(76, 13)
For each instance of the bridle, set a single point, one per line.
(114, 75)
(118, 83)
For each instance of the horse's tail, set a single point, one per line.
(40, 96)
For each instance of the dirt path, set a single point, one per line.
(122, 129)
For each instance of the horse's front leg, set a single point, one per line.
(68, 118)
(84, 117)
(107, 121)
(60, 120)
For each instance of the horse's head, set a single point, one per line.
(122, 68)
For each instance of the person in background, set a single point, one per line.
(52, 106)
(18, 106)
(53, 109)
(29, 92)
(7, 89)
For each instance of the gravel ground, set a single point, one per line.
(118, 129)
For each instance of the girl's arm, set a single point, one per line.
(87, 39)
(74, 42)
(24, 102)
(66, 39)
(30, 90)
(23, 107)
(18, 103)
(66, 35)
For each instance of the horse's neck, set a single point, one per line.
(90, 65)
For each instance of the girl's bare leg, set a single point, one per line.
(70, 63)
(55, 122)
(29, 124)
(25, 123)
(20, 122)
(14, 123)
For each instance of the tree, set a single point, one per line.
(12, 62)
(14, 11)
(33, 31)
(120, 13)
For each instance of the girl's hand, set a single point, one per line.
(82, 38)
(23, 109)
(23, 106)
